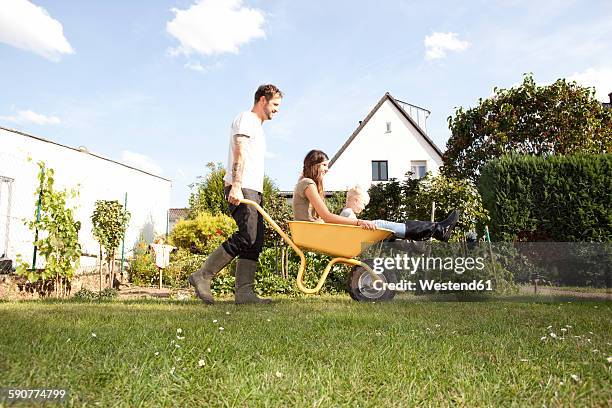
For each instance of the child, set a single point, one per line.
(357, 199)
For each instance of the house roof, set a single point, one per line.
(82, 150)
(176, 214)
(386, 96)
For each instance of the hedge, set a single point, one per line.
(557, 198)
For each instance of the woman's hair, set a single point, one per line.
(311, 169)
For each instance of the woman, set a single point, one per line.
(309, 205)
(309, 195)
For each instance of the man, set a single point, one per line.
(244, 177)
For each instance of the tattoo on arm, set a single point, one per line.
(237, 172)
(240, 148)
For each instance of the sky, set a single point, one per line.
(156, 84)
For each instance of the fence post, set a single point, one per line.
(123, 240)
(42, 179)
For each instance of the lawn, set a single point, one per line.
(310, 352)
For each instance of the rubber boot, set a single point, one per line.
(419, 230)
(444, 229)
(245, 279)
(201, 278)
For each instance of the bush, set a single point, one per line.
(142, 267)
(108, 294)
(411, 199)
(203, 234)
(559, 198)
(85, 294)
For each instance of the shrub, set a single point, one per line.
(203, 234)
(412, 199)
(85, 294)
(108, 294)
(559, 198)
(142, 267)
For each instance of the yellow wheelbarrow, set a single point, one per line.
(344, 243)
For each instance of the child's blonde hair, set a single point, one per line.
(357, 192)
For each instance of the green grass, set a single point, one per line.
(584, 289)
(318, 351)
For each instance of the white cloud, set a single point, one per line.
(598, 77)
(27, 116)
(438, 44)
(29, 27)
(140, 161)
(204, 69)
(214, 27)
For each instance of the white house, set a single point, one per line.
(93, 176)
(389, 142)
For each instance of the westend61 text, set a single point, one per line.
(412, 264)
(426, 285)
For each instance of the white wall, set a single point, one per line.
(95, 178)
(399, 147)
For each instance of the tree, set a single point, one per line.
(59, 244)
(109, 221)
(562, 118)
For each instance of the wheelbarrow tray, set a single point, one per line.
(346, 241)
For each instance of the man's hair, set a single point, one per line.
(357, 191)
(268, 90)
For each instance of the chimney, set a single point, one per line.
(610, 96)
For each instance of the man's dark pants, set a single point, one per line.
(247, 242)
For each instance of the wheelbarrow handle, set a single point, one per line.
(286, 238)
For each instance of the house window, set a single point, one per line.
(418, 168)
(388, 127)
(379, 170)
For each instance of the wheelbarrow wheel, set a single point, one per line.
(361, 288)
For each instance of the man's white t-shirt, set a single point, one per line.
(248, 124)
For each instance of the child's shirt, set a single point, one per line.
(348, 213)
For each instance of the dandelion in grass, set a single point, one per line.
(561, 383)
(524, 360)
(208, 350)
(268, 320)
(221, 329)
(543, 338)
(94, 335)
(227, 313)
(215, 321)
(67, 341)
(172, 370)
(179, 330)
(609, 359)
(549, 327)
(575, 377)
(157, 353)
(553, 335)
(180, 338)
(279, 374)
(595, 351)
(177, 345)
(564, 330)
(568, 326)
(201, 363)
